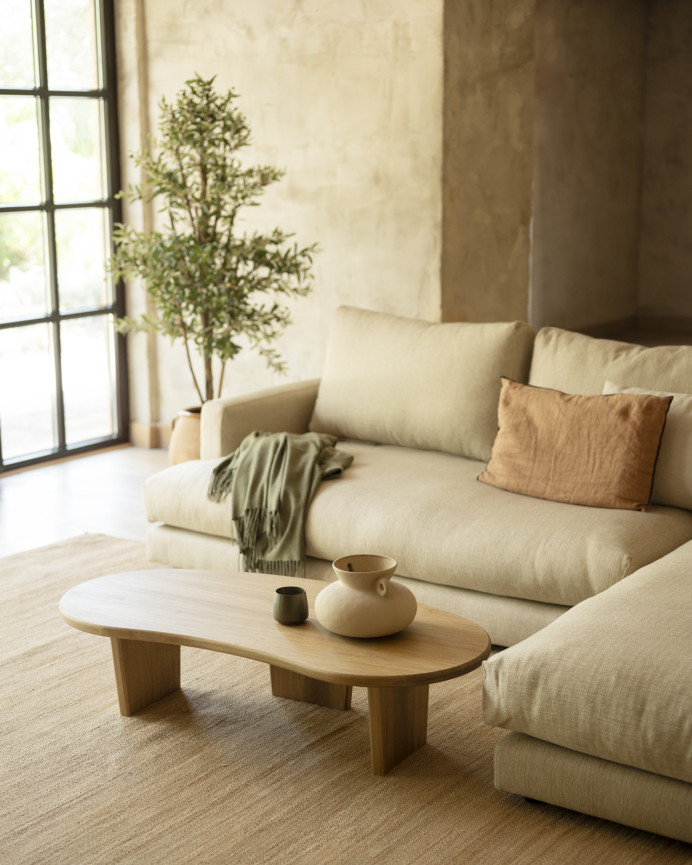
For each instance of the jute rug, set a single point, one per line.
(223, 772)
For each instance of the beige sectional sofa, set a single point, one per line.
(416, 403)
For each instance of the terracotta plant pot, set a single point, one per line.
(184, 443)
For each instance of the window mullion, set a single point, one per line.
(108, 82)
(51, 249)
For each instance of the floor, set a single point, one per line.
(99, 493)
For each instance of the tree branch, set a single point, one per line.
(183, 328)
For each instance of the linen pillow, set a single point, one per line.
(673, 478)
(585, 450)
(575, 363)
(418, 384)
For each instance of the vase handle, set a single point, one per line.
(382, 588)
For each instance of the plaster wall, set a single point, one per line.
(454, 159)
(133, 128)
(589, 91)
(488, 159)
(347, 97)
(665, 252)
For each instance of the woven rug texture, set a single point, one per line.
(222, 772)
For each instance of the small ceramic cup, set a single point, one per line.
(290, 605)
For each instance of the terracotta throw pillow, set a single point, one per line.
(584, 450)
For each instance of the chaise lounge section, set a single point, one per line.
(600, 704)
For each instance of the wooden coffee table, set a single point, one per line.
(149, 615)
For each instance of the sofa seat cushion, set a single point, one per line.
(177, 496)
(429, 512)
(611, 678)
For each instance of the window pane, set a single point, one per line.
(23, 284)
(27, 392)
(88, 378)
(16, 45)
(55, 232)
(20, 167)
(71, 44)
(75, 134)
(82, 241)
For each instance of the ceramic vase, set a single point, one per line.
(363, 602)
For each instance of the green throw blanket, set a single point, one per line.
(271, 479)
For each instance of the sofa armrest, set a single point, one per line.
(226, 422)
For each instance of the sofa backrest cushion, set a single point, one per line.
(575, 363)
(433, 386)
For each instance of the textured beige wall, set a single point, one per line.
(347, 97)
(587, 161)
(665, 260)
(454, 159)
(488, 158)
(134, 126)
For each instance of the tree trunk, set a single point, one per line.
(208, 378)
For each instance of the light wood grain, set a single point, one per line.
(144, 672)
(148, 615)
(293, 686)
(230, 612)
(398, 724)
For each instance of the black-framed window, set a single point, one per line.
(62, 366)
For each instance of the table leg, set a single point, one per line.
(294, 686)
(144, 672)
(398, 724)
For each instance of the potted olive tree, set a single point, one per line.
(216, 288)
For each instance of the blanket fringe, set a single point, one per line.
(221, 482)
(279, 569)
(258, 530)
